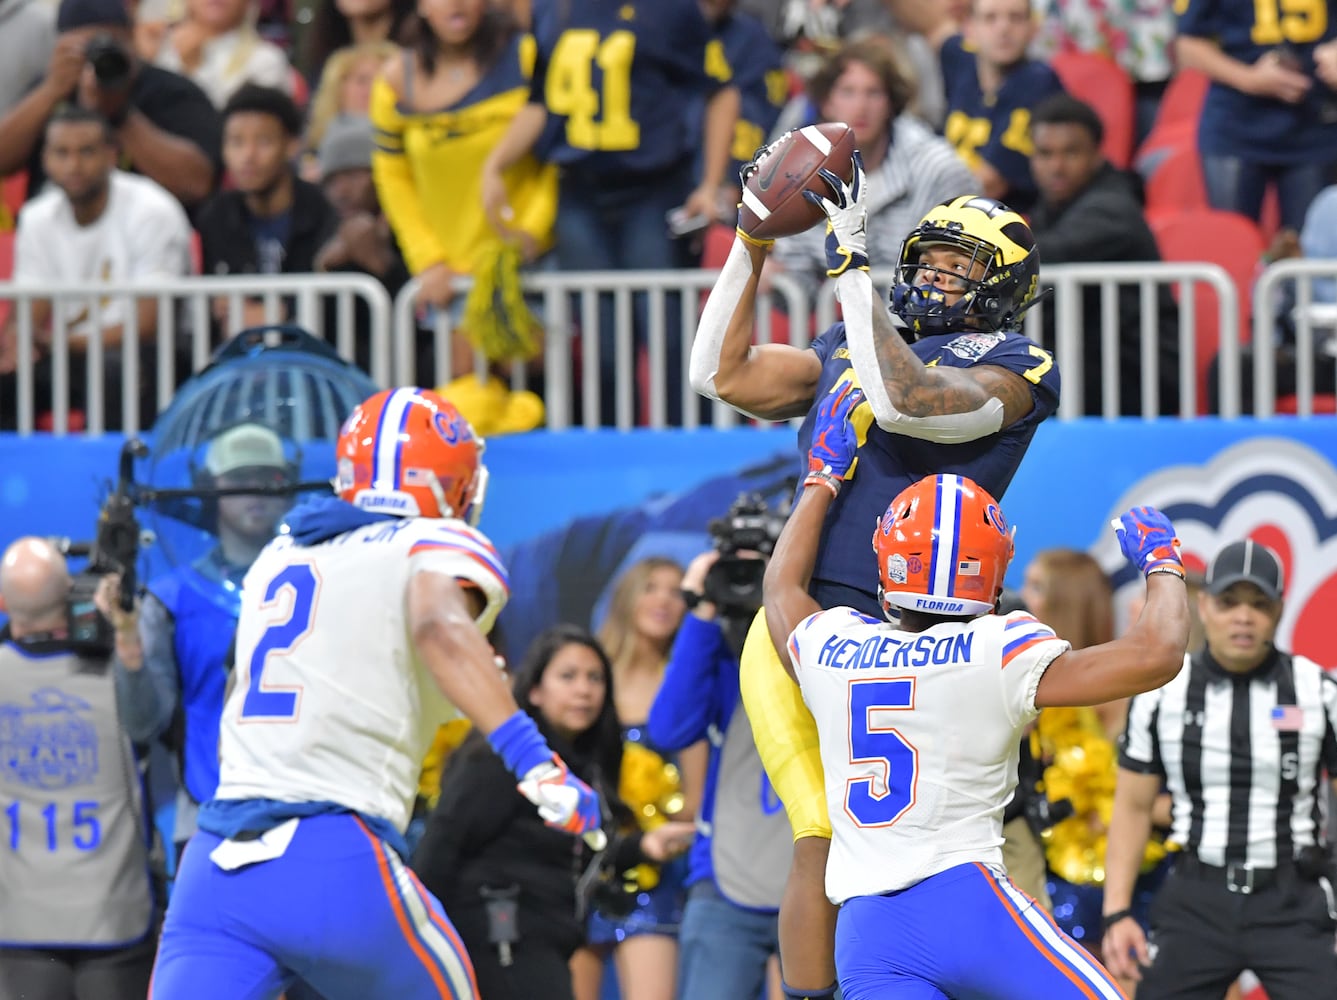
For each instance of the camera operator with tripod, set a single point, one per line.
(76, 902)
(737, 865)
(165, 126)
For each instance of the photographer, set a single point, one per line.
(164, 125)
(76, 904)
(737, 865)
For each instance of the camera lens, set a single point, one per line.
(110, 62)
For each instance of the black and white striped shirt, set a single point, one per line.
(1241, 754)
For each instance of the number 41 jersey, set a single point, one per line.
(329, 702)
(919, 736)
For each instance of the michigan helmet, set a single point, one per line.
(988, 232)
(943, 548)
(408, 452)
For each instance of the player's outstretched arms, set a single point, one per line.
(785, 586)
(441, 617)
(1151, 653)
(769, 381)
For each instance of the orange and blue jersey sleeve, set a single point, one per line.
(454, 549)
(1027, 648)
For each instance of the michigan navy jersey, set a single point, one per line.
(997, 128)
(758, 72)
(619, 81)
(1234, 123)
(888, 463)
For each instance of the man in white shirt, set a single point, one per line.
(93, 225)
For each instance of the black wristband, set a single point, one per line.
(1110, 919)
(691, 598)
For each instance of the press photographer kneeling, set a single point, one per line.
(76, 902)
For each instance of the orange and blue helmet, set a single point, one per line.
(943, 548)
(409, 452)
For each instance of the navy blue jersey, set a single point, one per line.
(1234, 123)
(758, 73)
(996, 130)
(888, 463)
(620, 81)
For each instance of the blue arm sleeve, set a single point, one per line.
(147, 697)
(695, 691)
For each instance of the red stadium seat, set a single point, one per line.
(1323, 403)
(6, 256)
(301, 91)
(1102, 83)
(1181, 106)
(1176, 185)
(1223, 238)
(718, 241)
(12, 191)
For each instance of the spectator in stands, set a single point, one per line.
(624, 166)
(1270, 117)
(27, 37)
(76, 905)
(99, 226)
(345, 90)
(175, 690)
(485, 855)
(477, 67)
(1090, 211)
(337, 24)
(909, 168)
(271, 222)
(216, 45)
(991, 88)
(363, 241)
(164, 125)
(738, 863)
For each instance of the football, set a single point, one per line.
(773, 202)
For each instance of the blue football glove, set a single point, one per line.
(1147, 538)
(564, 801)
(834, 441)
(847, 219)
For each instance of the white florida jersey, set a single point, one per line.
(919, 738)
(329, 702)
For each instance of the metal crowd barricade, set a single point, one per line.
(185, 307)
(570, 315)
(1308, 317)
(1069, 280)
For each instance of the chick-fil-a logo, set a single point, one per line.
(1277, 492)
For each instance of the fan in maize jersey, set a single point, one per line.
(956, 390)
(361, 630)
(920, 720)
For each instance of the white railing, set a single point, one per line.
(184, 311)
(570, 311)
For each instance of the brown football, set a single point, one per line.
(773, 202)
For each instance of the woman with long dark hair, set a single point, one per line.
(487, 853)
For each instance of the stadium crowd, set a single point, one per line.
(487, 140)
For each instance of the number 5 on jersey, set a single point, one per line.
(300, 586)
(874, 801)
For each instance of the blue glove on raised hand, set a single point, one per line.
(847, 220)
(1147, 538)
(834, 441)
(564, 801)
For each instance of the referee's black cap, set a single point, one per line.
(1246, 562)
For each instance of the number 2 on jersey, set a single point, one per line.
(594, 120)
(872, 801)
(280, 704)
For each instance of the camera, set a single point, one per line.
(109, 59)
(733, 584)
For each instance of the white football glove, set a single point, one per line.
(847, 219)
(564, 801)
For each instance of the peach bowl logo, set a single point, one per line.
(1274, 490)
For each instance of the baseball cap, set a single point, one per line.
(346, 146)
(246, 446)
(1247, 562)
(91, 14)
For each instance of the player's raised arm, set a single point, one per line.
(1150, 653)
(970, 269)
(770, 381)
(785, 587)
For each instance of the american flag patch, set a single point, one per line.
(1288, 718)
(968, 568)
(417, 477)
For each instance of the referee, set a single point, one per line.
(1240, 737)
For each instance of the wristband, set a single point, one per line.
(764, 244)
(832, 483)
(518, 742)
(691, 598)
(1110, 919)
(1171, 568)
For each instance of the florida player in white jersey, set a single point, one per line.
(362, 629)
(919, 724)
